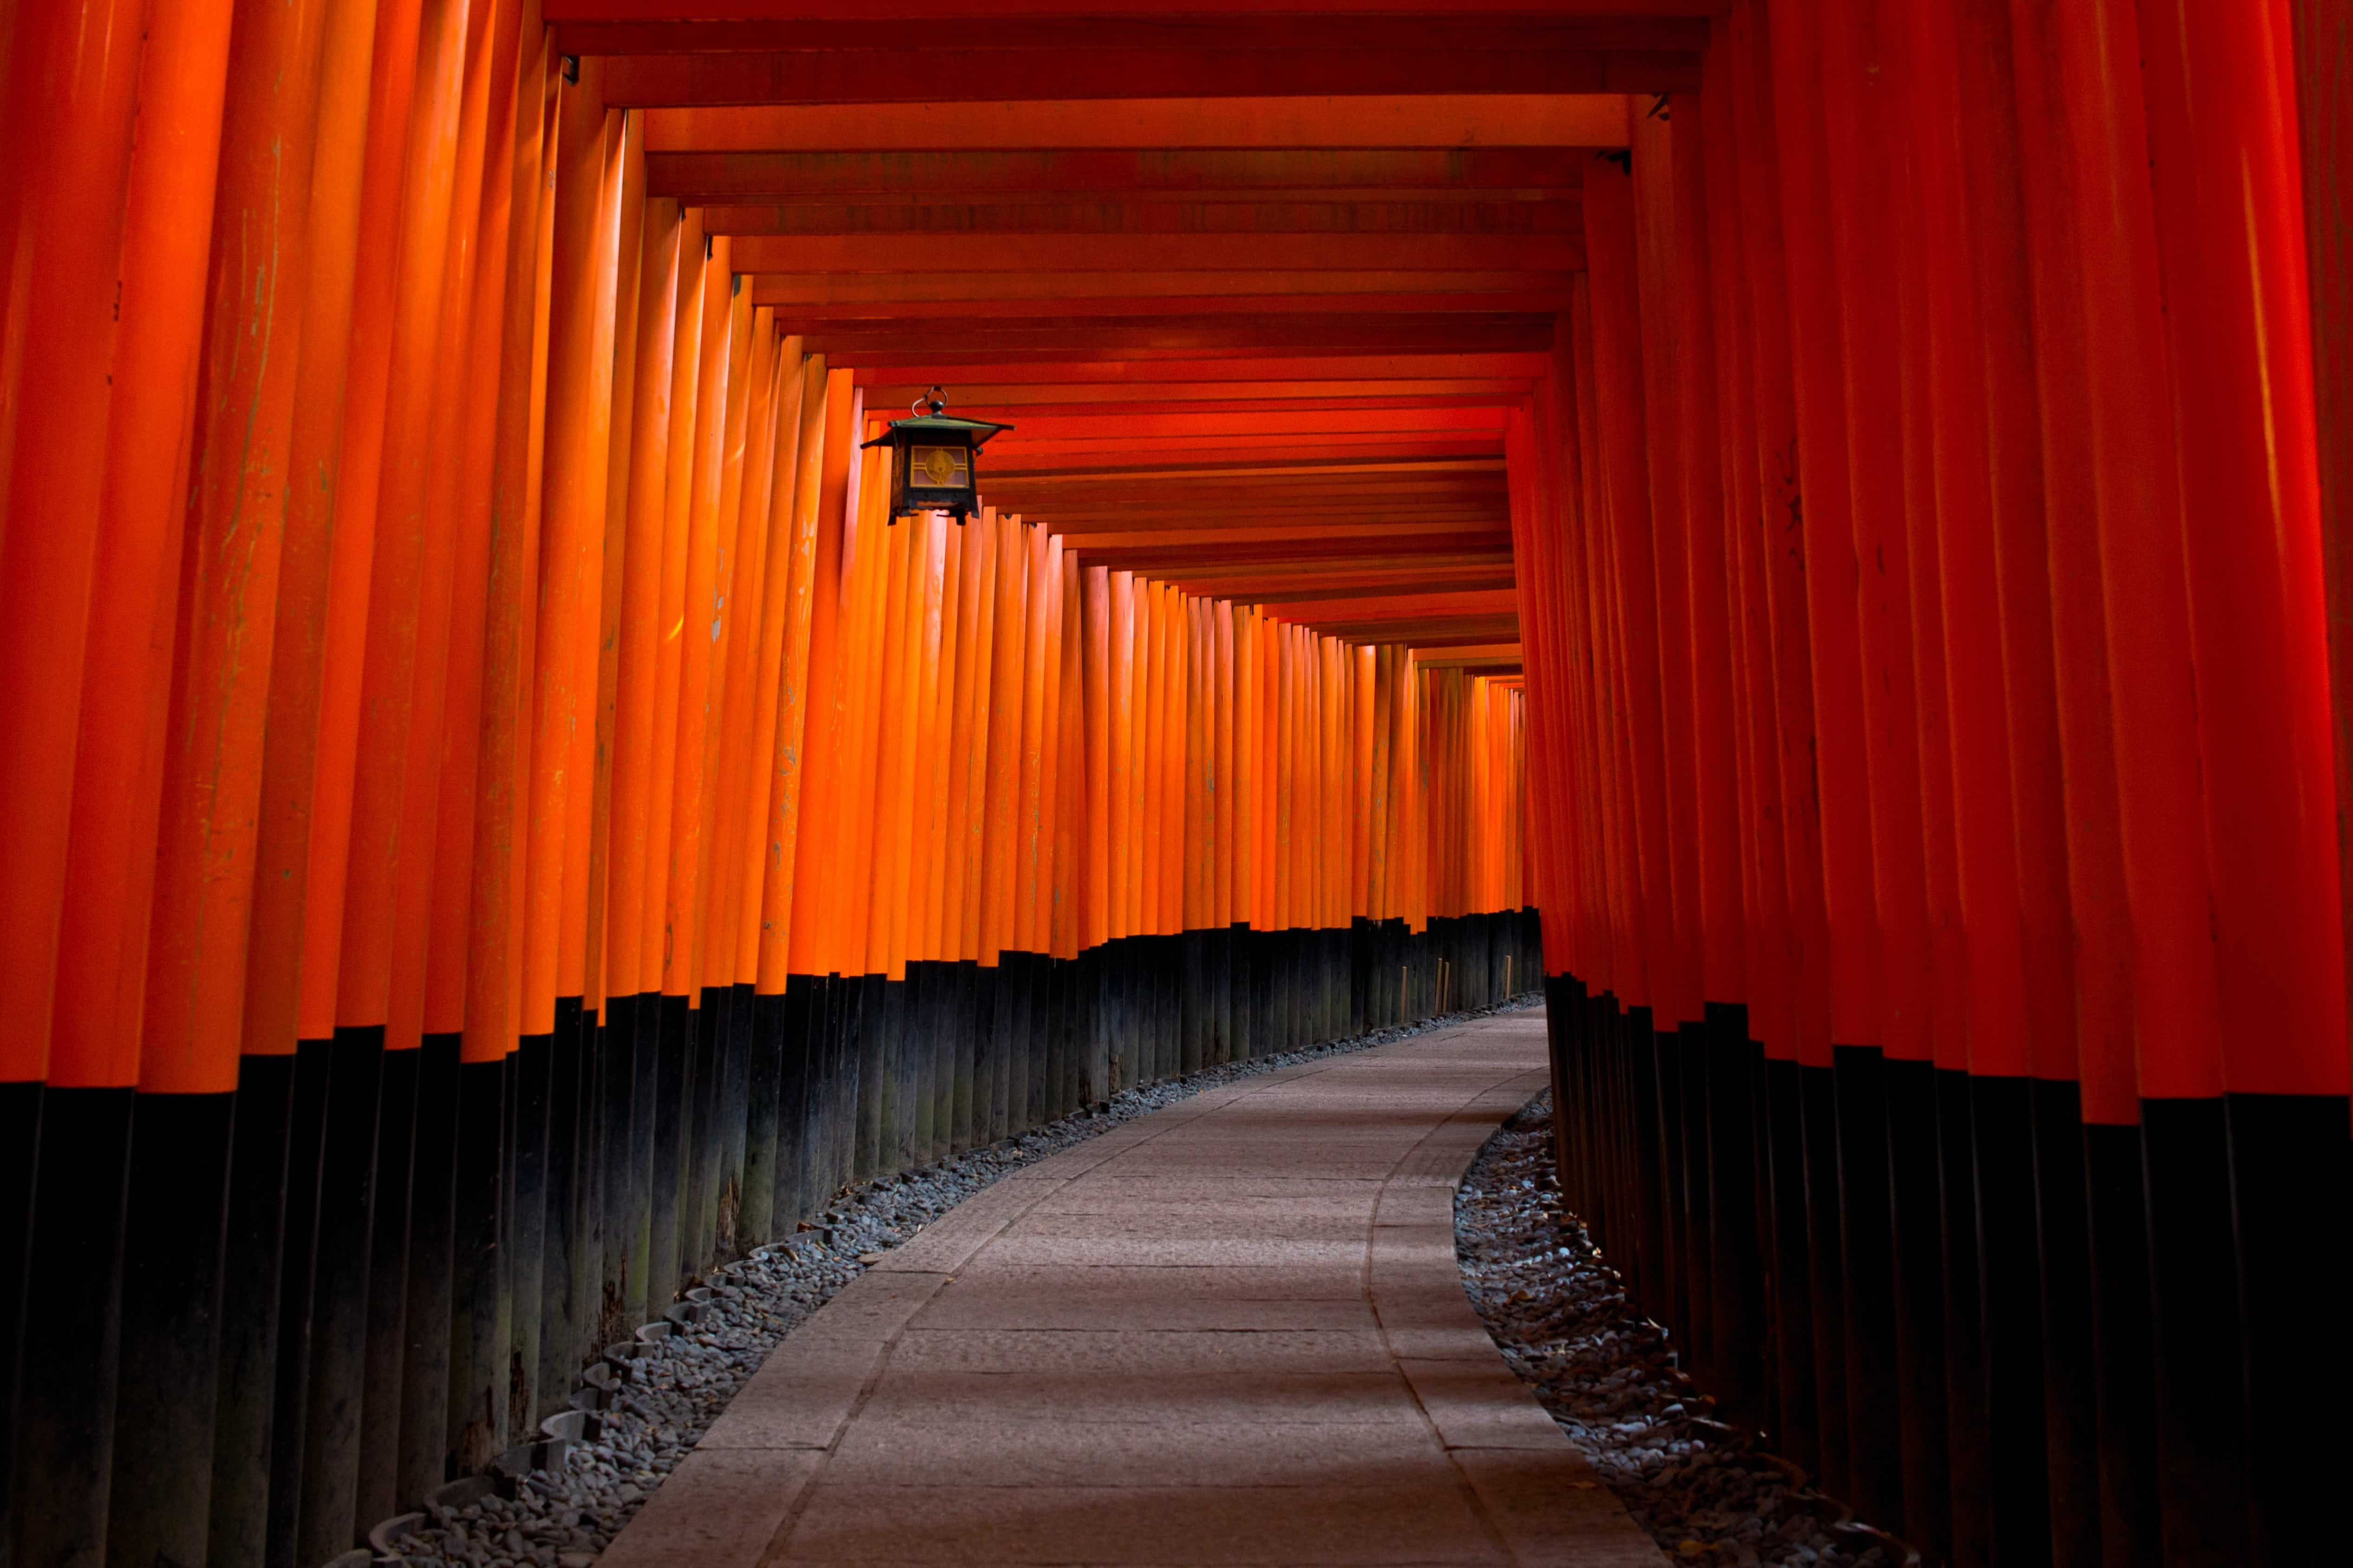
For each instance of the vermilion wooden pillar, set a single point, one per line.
(1972, 303)
(363, 1200)
(2114, 1269)
(1658, 224)
(700, 670)
(1719, 498)
(773, 507)
(1781, 515)
(657, 966)
(313, 745)
(781, 908)
(1870, 216)
(485, 1267)
(2220, 84)
(452, 1276)
(2323, 41)
(163, 1458)
(2012, 855)
(405, 1390)
(73, 70)
(2152, 695)
(1624, 483)
(1624, 486)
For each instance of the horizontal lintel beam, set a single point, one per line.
(1562, 121)
(902, 71)
(702, 174)
(952, 217)
(804, 304)
(1249, 28)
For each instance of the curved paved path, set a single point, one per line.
(1232, 1331)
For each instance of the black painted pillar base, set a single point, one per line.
(1738, 1325)
(252, 1298)
(672, 1123)
(175, 1225)
(848, 1069)
(1029, 1106)
(526, 1228)
(1796, 1400)
(1873, 1399)
(796, 1015)
(1915, 1186)
(762, 1084)
(427, 1326)
(699, 1221)
(389, 1285)
(2292, 1164)
(1965, 1340)
(66, 1396)
(2200, 1344)
(2009, 1269)
(20, 1147)
(1010, 1085)
(481, 1305)
(975, 1057)
(345, 1248)
(618, 1107)
(920, 1057)
(735, 1122)
(314, 1072)
(894, 1128)
(1242, 991)
(644, 1105)
(2071, 1419)
(2124, 1343)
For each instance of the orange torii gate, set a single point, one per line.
(444, 770)
(1838, 507)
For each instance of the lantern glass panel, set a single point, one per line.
(940, 467)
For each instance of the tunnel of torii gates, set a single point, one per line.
(499, 819)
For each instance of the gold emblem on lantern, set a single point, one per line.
(940, 466)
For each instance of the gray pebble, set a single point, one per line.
(1609, 1375)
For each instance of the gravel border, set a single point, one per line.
(563, 1516)
(1706, 1492)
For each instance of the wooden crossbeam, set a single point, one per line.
(1160, 253)
(694, 174)
(943, 342)
(1130, 212)
(1488, 659)
(1110, 371)
(1432, 631)
(995, 407)
(1468, 603)
(812, 302)
(979, 70)
(1242, 28)
(1484, 119)
(998, 13)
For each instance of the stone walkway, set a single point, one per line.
(1232, 1331)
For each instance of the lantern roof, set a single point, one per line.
(902, 430)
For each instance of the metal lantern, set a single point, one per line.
(933, 465)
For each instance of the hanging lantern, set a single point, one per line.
(934, 457)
